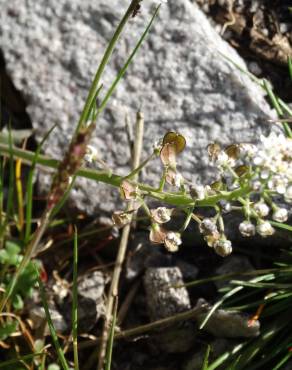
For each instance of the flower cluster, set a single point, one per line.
(255, 180)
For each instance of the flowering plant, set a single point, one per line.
(253, 179)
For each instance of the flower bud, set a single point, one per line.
(208, 226)
(91, 154)
(172, 241)
(261, 209)
(223, 247)
(157, 234)
(174, 178)
(264, 228)
(129, 191)
(197, 192)
(247, 229)
(121, 218)
(280, 215)
(256, 185)
(161, 214)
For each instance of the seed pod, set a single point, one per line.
(176, 139)
(213, 151)
(233, 151)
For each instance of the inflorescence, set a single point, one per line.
(261, 173)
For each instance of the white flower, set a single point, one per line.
(256, 185)
(222, 159)
(247, 150)
(265, 173)
(91, 154)
(178, 180)
(261, 209)
(208, 226)
(172, 241)
(280, 215)
(259, 158)
(264, 228)
(288, 194)
(161, 214)
(223, 247)
(198, 192)
(247, 229)
(278, 183)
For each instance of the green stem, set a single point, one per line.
(116, 180)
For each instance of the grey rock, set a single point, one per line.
(177, 339)
(90, 299)
(183, 84)
(144, 254)
(231, 265)
(163, 298)
(38, 316)
(227, 324)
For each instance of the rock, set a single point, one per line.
(177, 339)
(38, 317)
(163, 301)
(228, 324)
(144, 254)
(178, 77)
(231, 265)
(90, 299)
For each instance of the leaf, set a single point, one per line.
(17, 302)
(7, 329)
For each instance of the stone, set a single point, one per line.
(162, 297)
(227, 324)
(144, 254)
(38, 316)
(232, 265)
(178, 78)
(90, 299)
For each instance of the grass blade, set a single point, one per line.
(206, 358)
(275, 103)
(280, 225)
(290, 67)
(108, 358)
(29, 187)
(14, 361)
(108, 52)
(126, 65)
(51, 325)
(75, 303)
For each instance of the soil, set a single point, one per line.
(261, 31)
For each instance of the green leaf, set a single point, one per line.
(17, 302)
(13, 251)
(8, 328)
(290, 67)
(53, 367)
